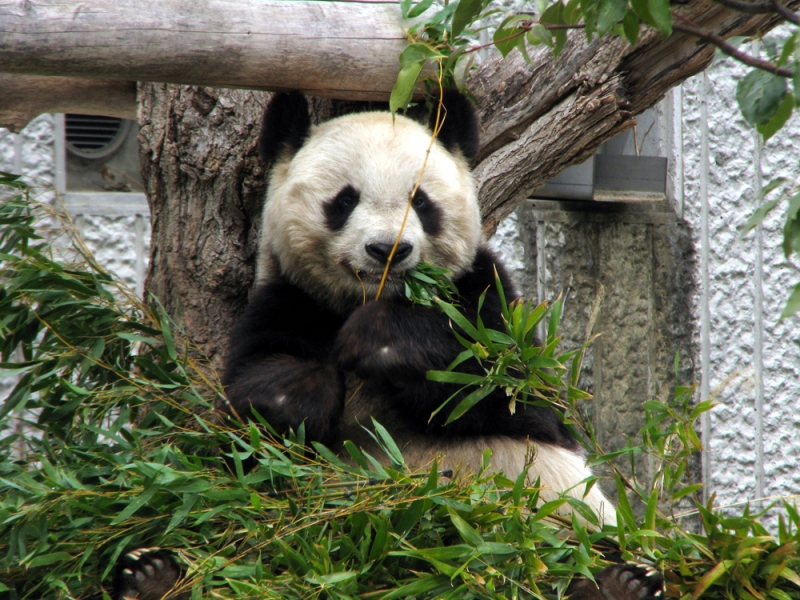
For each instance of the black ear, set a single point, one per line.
(286, 125)
(460, 128)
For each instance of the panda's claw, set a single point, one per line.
(629, 581)
(147, 574)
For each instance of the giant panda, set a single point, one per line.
(314, 348)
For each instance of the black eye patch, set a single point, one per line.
(338, 210)
(430, 215)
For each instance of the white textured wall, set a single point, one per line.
(749, 360)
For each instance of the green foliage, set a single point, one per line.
(127, 450)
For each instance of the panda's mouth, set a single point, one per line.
(375, 277)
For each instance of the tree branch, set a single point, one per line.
(743, 57)
(762, 7)
(539, 118)
(345, 50)
(787, 14)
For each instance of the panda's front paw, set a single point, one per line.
(627, 581)
(379, 341)
(147, 574)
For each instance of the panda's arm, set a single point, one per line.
(397, 343)
(278, 363)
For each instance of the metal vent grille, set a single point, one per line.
(92, 136)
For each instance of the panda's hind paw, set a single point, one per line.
(147, 574)
(627, 581)
(631, 581)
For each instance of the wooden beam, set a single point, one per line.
(347, 50)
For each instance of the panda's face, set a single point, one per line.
(335, 208)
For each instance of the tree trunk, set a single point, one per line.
(205, 183)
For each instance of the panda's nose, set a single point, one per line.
(380, 251)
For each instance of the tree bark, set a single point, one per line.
(205, 183)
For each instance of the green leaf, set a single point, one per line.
(167, 332)
(135, 505)
(403, 88)
(630, 26)
(760, 94)
(426, 583)
(468, 534)
(464, 15)
(796, 73)
(548, 508)
(507, 38)
(792, 304)
(779, 119)
(388, 442)
(791, 229)
(789, 48)
(419, 8)
(609, 12)
(471, 400)
(454, 377)
(555, 318)
(759, 215)
(453, 313)
(661, 12)
(49, 559)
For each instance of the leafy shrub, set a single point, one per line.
(122, 447)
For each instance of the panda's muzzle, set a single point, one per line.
(381, 251)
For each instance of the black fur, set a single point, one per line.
(282, 347)
(338, 210)
(460, 129)
(147, 574)
(287, 344)
(286, 125)
(430, 215)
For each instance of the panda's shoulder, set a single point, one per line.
(486, 268)
(280, 310)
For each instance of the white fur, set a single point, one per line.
(558, 470)
(382, 160)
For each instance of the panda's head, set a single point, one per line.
(338, 193)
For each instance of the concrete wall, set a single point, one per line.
(635, 263)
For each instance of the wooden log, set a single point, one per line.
(347, 50)
(23, 97)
